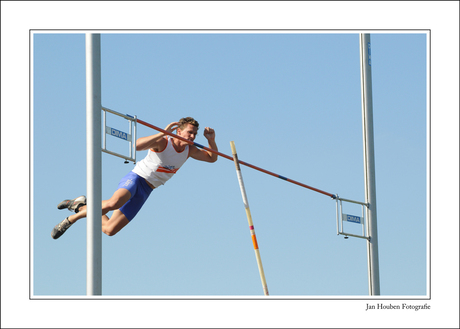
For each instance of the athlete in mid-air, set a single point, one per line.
(165, 156)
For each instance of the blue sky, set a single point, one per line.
(291, 101)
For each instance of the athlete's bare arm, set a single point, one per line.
(156, 142)
(203, 155)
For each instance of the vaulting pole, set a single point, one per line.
(369, 164)
(93, 166)
(248, 215)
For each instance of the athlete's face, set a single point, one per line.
(189, 132)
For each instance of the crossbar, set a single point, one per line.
(231, 158)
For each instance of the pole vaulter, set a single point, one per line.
(231, 158)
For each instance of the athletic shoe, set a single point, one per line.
(60, 228)
(74, 204)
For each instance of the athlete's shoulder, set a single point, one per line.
(160, 145)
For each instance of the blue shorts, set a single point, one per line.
(139, 190)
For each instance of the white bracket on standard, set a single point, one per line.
(354, 219)
(130, 136)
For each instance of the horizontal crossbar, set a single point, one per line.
(231, 158)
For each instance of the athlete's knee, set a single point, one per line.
(109, 231)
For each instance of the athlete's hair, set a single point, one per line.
(188, 120)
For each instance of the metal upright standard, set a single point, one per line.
(93, 166)
(248, 214)
(369, 164)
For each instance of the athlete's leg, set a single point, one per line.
(118, 220)
(110, 226)
(79, 215)
(118, 199)
(126, 202)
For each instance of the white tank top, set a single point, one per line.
(158, 167)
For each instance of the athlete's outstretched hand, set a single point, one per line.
(209, 133)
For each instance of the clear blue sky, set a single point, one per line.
(291, 102)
